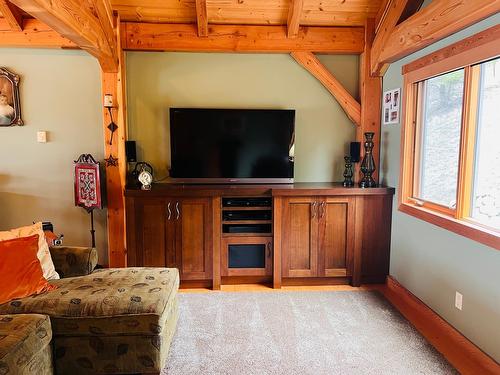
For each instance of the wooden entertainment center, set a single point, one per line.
(297, 234)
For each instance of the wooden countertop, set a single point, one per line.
(275, 190)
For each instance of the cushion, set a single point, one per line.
(24, 344)
(20, 271)
(107, 302)
(49, 271)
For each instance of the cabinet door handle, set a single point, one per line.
(313, 209)
(269, 247)
(177, 210)
(323, 209)
(169, 211)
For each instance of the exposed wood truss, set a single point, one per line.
(389, 19)
(438, 20)
(12, 15)
(311, 63)
(201, 17)
(294, 15)
(34, 35)
(87, 24)
(249, 12)
(229, 38)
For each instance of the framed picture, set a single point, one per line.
(10, 103)
(390, 106)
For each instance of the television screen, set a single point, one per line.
(232, 145)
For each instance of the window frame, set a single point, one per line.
(465, 54)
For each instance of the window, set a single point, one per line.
(451, 140)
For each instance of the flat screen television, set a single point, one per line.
(231, 145)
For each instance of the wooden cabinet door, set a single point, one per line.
(193, 231)
(150, 240)
(335, 239)
(300, 237)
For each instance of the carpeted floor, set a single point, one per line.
(297, 333)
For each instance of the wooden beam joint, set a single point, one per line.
(294, 15)
(12, 15)
(202, 17)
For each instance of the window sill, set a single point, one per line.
(464, 228)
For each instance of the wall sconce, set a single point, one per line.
(108, 103)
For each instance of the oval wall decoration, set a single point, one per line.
(10, 103)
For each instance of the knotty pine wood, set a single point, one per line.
(436, 21)
(86, 24)
(484, 39)
(294, 15)
(12, 15)
(249, 12)
(386, 26)
(232, 38)
(467, 358)
(201, 17)
(35, 34)
(311, 63)
(114, 84)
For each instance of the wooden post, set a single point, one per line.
(370, 91)
(114, 84)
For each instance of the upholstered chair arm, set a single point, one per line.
(71, 261)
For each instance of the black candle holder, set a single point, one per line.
(368, 163)
(348, 173)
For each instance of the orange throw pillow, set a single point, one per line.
(20, 271)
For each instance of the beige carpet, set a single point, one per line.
(297, 333)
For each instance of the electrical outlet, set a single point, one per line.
(458, 300)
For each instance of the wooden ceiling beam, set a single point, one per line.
(350, 105)
(294, 15)
(12, 15)
(87, 24)
(389, 19)
(231, 38)
(202, 17)
(438, 20)
(34, 35)
(249, 12)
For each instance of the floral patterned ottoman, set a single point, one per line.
(113, 321)
(25, 345)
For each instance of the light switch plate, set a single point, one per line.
(41, 136)
(458, 300)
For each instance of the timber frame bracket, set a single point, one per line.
(310, 62)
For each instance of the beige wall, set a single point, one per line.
(158, 81)
(60, 93)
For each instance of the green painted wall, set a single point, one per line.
(432, 262)
(158, 81)
(60, 93)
